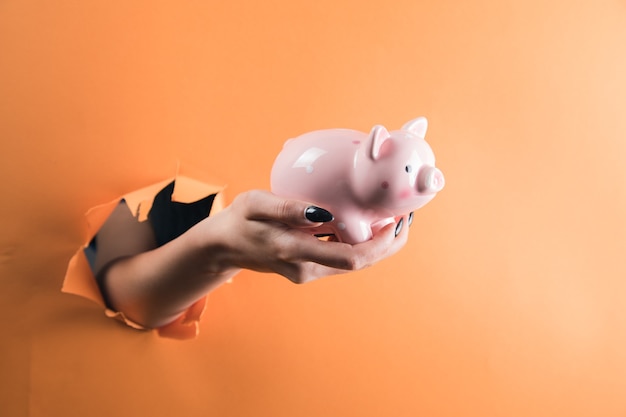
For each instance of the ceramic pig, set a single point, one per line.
(364, 180)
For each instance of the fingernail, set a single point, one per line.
(410, 218)
(399, 226)
(317, 214)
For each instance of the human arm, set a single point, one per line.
(258, 231)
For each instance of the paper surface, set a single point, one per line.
(508, 299)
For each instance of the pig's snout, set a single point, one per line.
(430, 180)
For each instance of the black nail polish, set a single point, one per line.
(399, 226)
(410, 218)
(318, 214)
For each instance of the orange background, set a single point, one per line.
(508, 299)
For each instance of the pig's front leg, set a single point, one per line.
(352, 230)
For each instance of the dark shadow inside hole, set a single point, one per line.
(166, 221)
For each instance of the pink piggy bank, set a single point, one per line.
(364, 180)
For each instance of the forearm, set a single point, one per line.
(153, 288)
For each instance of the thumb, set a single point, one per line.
(263, 205)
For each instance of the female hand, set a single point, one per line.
(266, 233)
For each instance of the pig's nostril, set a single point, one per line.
(430, 180)
(438, 180)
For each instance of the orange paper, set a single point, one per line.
(508, 299)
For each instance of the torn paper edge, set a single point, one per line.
(79, 279)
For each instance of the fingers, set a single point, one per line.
(401, 236)
(332, 258)
(261, 205)
(345, 257)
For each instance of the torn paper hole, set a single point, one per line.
(79, 278)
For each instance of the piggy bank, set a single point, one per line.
(364, 180)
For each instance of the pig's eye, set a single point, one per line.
(408, 168)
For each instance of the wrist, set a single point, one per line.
(214, 255)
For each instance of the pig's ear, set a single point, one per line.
(417, 126)
(378, 137)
